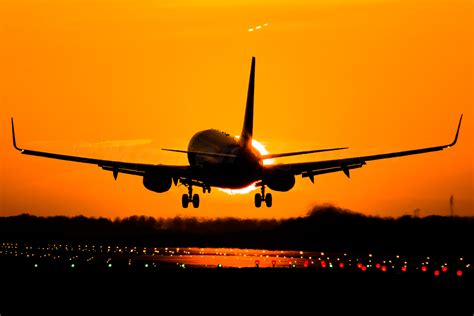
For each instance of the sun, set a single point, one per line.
(261, 149)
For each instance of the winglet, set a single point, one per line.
(14, 139)
(457, 133)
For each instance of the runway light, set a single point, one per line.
(459, 273)
(384, 268)
(323, 264)
(274, 263)
(444, 269)
(341, 265)
(424, 268)
(146, 265)
(219, 265)
(436, 273)
(306, 263)
(72, 265)
(110, 265)
(36, 265)
(377, 265)
(364, 268)
(257, 263)
(359, 265)
(404, 269)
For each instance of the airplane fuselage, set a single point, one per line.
(241, 168)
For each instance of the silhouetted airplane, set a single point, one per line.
(217, 159)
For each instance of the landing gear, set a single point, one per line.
(269, 200)
(186, 198)
(258, 200)
(185, 201)
(262, 197)
(196, 200)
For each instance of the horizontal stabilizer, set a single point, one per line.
(203, 153)
(295, 153)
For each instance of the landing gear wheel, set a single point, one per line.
(268, 200)
(196, 200)
(258, 200)
(185, 201)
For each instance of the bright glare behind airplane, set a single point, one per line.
(217, 159)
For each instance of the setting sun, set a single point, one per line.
(263, 151)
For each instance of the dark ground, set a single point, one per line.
(98, 290)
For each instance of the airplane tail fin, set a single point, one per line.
(247, 129)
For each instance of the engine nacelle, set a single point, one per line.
(156, 183)
(280, 181)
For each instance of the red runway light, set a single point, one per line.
(323, 264)
(444, 269)
(359, 265)
(377, 265)
(424, 268)
(341, 265)
(306, 263)
(436, 273)
(274, 262)
(257, 262)
(404, 269)
(459, 273)
(384, 268)
(364, 268)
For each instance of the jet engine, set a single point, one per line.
(155, 183)
(279, 181)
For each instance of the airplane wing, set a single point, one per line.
(296, 153)
(109, 165)
(310, 169)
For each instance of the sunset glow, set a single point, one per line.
(119, 80)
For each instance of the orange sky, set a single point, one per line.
(122, 79)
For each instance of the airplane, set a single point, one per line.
(217, 159)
